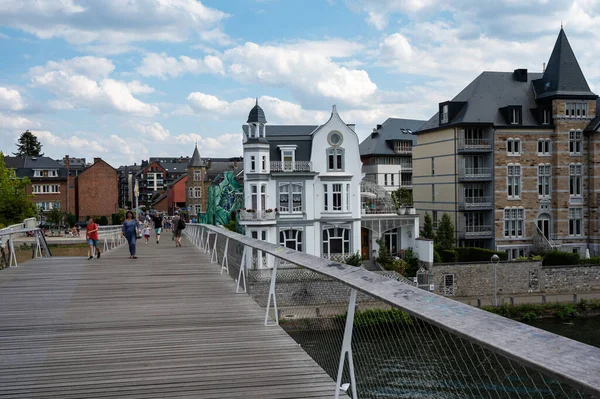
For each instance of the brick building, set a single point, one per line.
(513, 159)
(196, 184)
(97, 190)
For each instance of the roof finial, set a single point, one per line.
(334, 109)
(561, 24)
(256, 100)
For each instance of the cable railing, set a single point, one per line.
(378, 337)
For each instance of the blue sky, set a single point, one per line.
(128, 80)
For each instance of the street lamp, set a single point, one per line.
(495, 260)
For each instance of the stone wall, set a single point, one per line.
(515, 278)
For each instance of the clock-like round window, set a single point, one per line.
(335, 138)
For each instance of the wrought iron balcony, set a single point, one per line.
(477, 231)
(298, 166)
(475, 203)
(483, 173)
(474, 145)
(250, 214)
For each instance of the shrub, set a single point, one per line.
(478, 254)
(449, 255)
(385, 258)
(591, 261)
(380, 317)
(445, 234)
(71, 219)
(102, 221)
(436, 257)
(231, 226)
(412, 264)
(560, 258)
(117, 218)
(567, 312)
(354, 259)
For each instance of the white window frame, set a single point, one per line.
(325, 198)
(514, 116)
(263, 160)
(337, 205)
(339, 232)
(544, 180)
(292, 235)
(444, 118)
(197, 175)
(546, 117)
(290, 189)
(575, 222)
(544, 147)
(338, 159)
(513, 147)
(514, 222)
(263, 197)
(575, 142)
(252, 163)
(576, 109)
(254, 196)
(513, 181)
(197, 192)
(575, 180)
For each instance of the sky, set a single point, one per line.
(127, 80)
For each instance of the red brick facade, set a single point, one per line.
(97, 190)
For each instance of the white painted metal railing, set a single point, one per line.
(297, 166)
(445, 349)
(110, 237)
(7, 238)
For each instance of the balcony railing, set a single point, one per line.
(474, 144)
(484, 230)
(256, 215)
(472, 203)
(298, 166)
(475, 173)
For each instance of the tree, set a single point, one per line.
(28, 145)
(427, 227)
(55, 216)
(445, 233)
(14, 205)
(403, 197)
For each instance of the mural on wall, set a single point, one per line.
(223, 199)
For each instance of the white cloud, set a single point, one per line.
(115, 23)
(162, 65)
(10, 99)
(225, 145)
(305, 73)
(83, 82)
(11, 122)
(154, 130)
(3, 36)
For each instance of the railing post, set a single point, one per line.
(201, 237)
(207, 243)
(38, 246)
(13, 255)
(242, 273)
(347, 348)
(224, 261)
(214, 250)
(105, 248)
(272, 295)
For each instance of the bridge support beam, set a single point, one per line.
(272, 295)
(214, 251)
(347, 349)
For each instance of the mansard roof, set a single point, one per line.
(380, 142)
(563, 77)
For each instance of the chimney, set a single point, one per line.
(520, 75)
(97, 160)
(67, 161)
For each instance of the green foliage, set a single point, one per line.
(473, 254)
(560, 258)
(529, 312)
(117, 218)
(71, 219)
(380, 317)
(591, 261)
(402, 197)
(354, 259)
(412, 264)
(436, 257)
(445, 234)
(55, 216)
(28, 145)
(567, 312)
(449, 255)
(102, 220)
(385, 258)
(427, 227)
(14, 204)
(231, 226)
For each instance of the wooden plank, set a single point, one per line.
(167, 324)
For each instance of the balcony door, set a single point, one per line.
(474, 192)
(474, 164)
(543, 224)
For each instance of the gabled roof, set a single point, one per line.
(563, 76)
(196, 160)
(484, 97)
(380, 142)
(24, 166)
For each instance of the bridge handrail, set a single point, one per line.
(7, 232)
(567, 360)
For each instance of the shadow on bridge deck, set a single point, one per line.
(166, 325)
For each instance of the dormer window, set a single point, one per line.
(514, 114)
(288, 157)
(546, 117)
(402, 146)
(444, 114)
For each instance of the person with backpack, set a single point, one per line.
(178, 226)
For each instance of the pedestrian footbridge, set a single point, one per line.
(200, 322)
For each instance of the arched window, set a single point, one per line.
(291, 238)
(336, 241)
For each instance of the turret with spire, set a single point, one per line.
(195, 184)
(256, 123)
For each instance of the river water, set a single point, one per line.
(422, 361)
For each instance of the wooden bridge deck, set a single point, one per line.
(166, 325)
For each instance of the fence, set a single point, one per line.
(380, 337)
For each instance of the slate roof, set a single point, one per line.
(484, 97)
(299, 135)
(256, 114)
(563, 76)
(24, 166)
(174, 167)
(380, 142)
(196, 160)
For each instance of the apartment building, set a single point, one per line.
(512, 159)
(386, 153)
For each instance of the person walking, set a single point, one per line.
(176, 229)
(91, 234)
(158, 221)
(130, 230)
(146, 233)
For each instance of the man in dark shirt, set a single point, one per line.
(157, 219)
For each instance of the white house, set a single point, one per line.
(302, 189)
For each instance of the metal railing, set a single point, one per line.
(474, 144)
(471, 203)
(297, 166)
(110, 236)
(7, 235)
(246, 215)
(483, 230)
(404, 341)
(474, 173)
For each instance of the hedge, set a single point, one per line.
(560, 258)
(591, 261)
(478, 254)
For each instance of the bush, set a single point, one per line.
(354, 259)
(71, 219)
(412, 264)
(380, 317)
(102, 221)
(449, 255)
(591, 261)
(560, 258)
(436, 257)
(567, 312)
(231, 226)
(385, 258)
(117, 218)
(478, 254)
